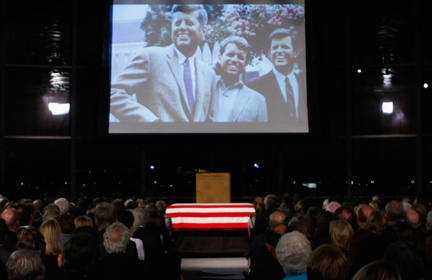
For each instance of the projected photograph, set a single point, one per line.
(225, 68)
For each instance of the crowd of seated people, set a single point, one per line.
(299, 238)
(332, 239)
(105, 240)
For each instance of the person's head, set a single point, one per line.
(283, 49)
(116, 238)
(83, 220)
(303, 224)
(11, 218)
(421, 210)
(51, 212)
(126, 217)
(292, 252)
(233, 56)
(276, 218)
(141, 215)
(31, 238)
(161, 206)
(272, 237)
(325, 203)
(118, 205)
(188, 27)
(378, 217)
(327, 262)
(25, 264)
(363, 213)
(25, 215)
(340, 233)
(413, 218)
(378, 270)
(38, 204)
(333, 206)
(51, 232)
(105, 215)
(407, 258)
(79, 253)
(394, 211)
(63, 205)
(66, 223)
(270, 202)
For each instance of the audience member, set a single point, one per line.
(117, 264)
(79, 256)
(407, 258)
(332, 206)
(293, 251)
(363, 213)
(82, 221)
(25, 264)
(378, 270)
(4, 254)
(63, 205)
(31, 238)
(327, 262)
(341, 233)
(11, 217)
(53, 257)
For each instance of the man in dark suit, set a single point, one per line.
(170, 83)
(284, 87)
(11, 218)
(236, 102)
(105, 215)
(4, 254)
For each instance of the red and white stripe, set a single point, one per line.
(210, 215)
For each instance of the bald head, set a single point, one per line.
(276, 218)
(11, 218)
(363, 213)
(413, 218)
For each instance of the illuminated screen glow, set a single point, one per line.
(226, 86)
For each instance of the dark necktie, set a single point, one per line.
(187, 77)
(290, 99)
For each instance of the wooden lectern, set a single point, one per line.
(213, 187)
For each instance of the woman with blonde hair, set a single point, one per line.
(82, 221)
(53, 257)
(341, 233)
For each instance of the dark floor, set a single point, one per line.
(213, 268)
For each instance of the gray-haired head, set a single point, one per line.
(63, 205)
(116, 238)
(105, 214)
(25, 264)
(270, 201)
(293, 251)
(184, 8)
(141, 214)
(333, 206)
(50, 213)
(38, 204)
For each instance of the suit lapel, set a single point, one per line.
(240, 102)
(176, 72)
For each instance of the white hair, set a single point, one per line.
(293, 251)
(333, 206)
(63, 205)
(116, 238)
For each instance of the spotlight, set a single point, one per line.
(387, 107)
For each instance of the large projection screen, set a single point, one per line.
(211, 68)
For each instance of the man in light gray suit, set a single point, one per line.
(170, 83)
(236, 102)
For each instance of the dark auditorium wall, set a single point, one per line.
(353, 149)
